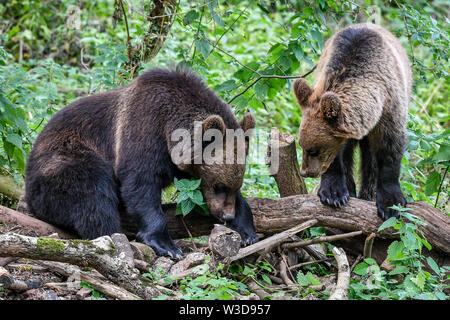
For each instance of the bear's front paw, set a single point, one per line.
(388, 196)
(247, 233)
(248, 238)
(162, 244)
(333, 191)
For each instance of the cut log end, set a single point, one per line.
(224, 241)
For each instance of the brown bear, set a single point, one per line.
(360, 95)
(112, 150)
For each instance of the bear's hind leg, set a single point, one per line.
(368, 171)
(347, 158)
(75, 192)
(388, 155)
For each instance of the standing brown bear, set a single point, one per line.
(113, 149)
(360, 95)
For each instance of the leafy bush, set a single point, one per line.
(408, 278)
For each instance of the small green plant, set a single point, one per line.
(96, 295)
(189, 197)
(408, 279)
(257, 272)
(155, 274)
(307, 279)
(210, 284)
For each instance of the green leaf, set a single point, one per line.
(419, 280)
(240, 102)
(248, 271)
(443, 154)
(361, 269)
(203, 47)
(433, 265)
(399, 270)
(14, 139)
(314, 281)
(178, 210)
(395, 251)
(261, 89)
(266, 278)
(316, 231)
(441, 295)
(186, 207)
(317, 35)
(388, 223)
(302, 280)
(370, 261)
(178, 184)
(217, 19)
(190, 17)
(19, 158)
(197, 197)
(426, 243)
(194, 183)
(226, 86)
(298, 52)
(432, 183)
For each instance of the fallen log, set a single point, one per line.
(10, 217)
(99, 253)
(276, 215)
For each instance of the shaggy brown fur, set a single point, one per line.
(361, 93)
(113, 150)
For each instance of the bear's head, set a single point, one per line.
(221, 168)
(322, 130)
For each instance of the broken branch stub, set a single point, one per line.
(283, 164)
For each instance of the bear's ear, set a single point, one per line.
(214, 122)
(247, 122)
(330, 107)
(302, 91)
(331, 110)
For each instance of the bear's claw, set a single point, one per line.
(333, 193)
(163, 245)
(249, 239)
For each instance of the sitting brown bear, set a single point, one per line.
(113, 149)
(360, 95)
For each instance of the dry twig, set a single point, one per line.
(321, 239)
(270, 242)
(368, 244)
(340, 292)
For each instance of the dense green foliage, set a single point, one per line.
(46, 62)
(407, 259)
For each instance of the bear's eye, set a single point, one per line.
(313, 152)
(220, 188)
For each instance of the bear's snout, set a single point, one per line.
(227, 216)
